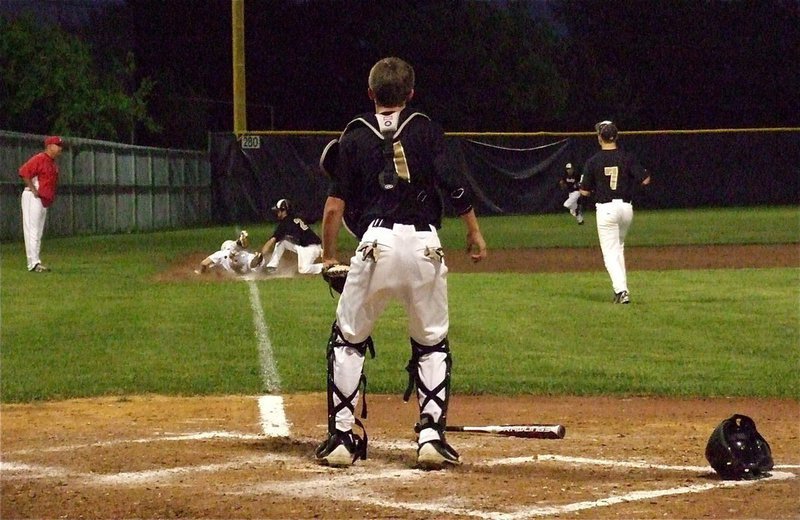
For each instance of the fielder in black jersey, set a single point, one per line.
(612, 175)
(570, 182)
(291, 234)
(389, 172)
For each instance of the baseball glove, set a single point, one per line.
(336, 276)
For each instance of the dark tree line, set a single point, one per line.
(481, 66)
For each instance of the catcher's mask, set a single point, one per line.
(737, 451)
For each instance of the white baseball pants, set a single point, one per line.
(394, 264)
(572, 201)
(306, 256)
(34, 215)
(613, 222)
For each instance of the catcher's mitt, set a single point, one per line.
(335, 276)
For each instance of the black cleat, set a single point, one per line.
(437, 454)
(340, 449)
(622, 297)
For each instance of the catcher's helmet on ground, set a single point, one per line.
(737, 451)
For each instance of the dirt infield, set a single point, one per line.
(216, 457)
(158, 457)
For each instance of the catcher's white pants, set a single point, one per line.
(613, 221)
(572, 201)
(34, 215)
(394, 264)
(306, 256)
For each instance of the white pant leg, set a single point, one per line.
(363, 301)
(369, 286)
(572, 201)
(306, 256)
(277, 253)
(426, 302)
(34, 215)
(348, 364)
(613, 221)
(625, 220)
(432, 371)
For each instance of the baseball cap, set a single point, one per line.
(607, 130)
(282, 204)
(568, 166)
(53, 139)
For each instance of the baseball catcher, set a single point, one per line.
(388, 173)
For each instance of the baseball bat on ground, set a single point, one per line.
(528, 431)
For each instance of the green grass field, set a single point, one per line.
(101, 324)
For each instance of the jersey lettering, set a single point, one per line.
(300, 223)
(613, 173)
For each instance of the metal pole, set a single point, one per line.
(239, 98)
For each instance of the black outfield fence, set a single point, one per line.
(518, 173)
(113, 188)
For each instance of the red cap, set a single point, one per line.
(54, 139)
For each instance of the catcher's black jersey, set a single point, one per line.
(612, 174)
(420, 162)
(293, 229)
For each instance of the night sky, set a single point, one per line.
(663, 64)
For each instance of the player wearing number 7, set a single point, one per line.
(612, 175)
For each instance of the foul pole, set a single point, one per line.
(239, 97)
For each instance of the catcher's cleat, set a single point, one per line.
(340, 449)
(437, 454)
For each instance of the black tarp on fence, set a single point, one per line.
(518, 174)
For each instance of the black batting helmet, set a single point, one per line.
(737, 451)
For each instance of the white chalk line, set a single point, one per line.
(195, 436)
(330, 488)
(199, 436)
(270, 407)
(269, 371)
(16, 470)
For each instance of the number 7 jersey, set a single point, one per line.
(612, 174)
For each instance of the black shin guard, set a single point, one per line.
(347, 401)
(430, 394)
